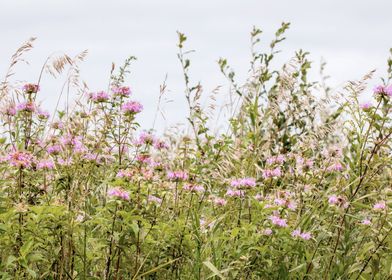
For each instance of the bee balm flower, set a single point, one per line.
(30, 88)
(119, 193)
(132, 107)
(379, 206)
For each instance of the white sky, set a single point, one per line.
(352, 36)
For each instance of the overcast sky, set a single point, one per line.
(353, 36)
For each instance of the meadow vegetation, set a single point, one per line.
(297, 186)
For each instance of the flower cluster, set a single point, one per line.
(303, 235)
(121, 91)
(100, 96)
(243, 183)
(383, 90)
(276, 220)
(272, 173)
(132, 107)
(30, 88)
(20, 159)
(177, 175)
(118, 193)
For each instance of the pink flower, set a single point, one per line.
(26, 107)
(132, 107)
(303, 235)
(155, 199)
(235, 193)
(121, 91)
(335, 167)
(280, 201)
(267, 231)
(276, 220)
(10, 111)
(269, 173)
(309, 163)
(244, 182)
(144, 158)
(145, 138)
(45, 164)
(366, 222)
(125, 174)
(119, 193)
(383, 90)
(43, 114)
(194, 188)
(30, 88)
(338, 201)
(100, 96)
(276, 159)
(333, 199)
(55, 149)
(381, 205)
(296, 233)
(65, 162)
(20, 159)
(259, 197)
(177, 175)
(160, 145)
(220, 201)
(292, 205)
(366, 105)
(306, 235)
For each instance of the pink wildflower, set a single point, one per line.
(296, 233)
(303, 235)
(276, 159)
(220, 201)
(121, 91)
(65, 162)
(335, 167)
(155, 199)
(177, 175)
(366, 105)
(270, 173)
(55, 149)
(43, 115)
(380, 205)
(366, 222)
(235, 193)
(119, 193)
(243, 182)
(259, 197)
(100, 96)
(45, 164)
(383, 90)
(267, 231)
(132, 107)
(30, 88)
(20, 159)
(145, 138)
(26, 107)
(292, 205)
(276, 220)
(280, 201)
(125, 174)
(10, 111)
(333, 199)
(160, 145)
(338, 201)
(306, 235)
